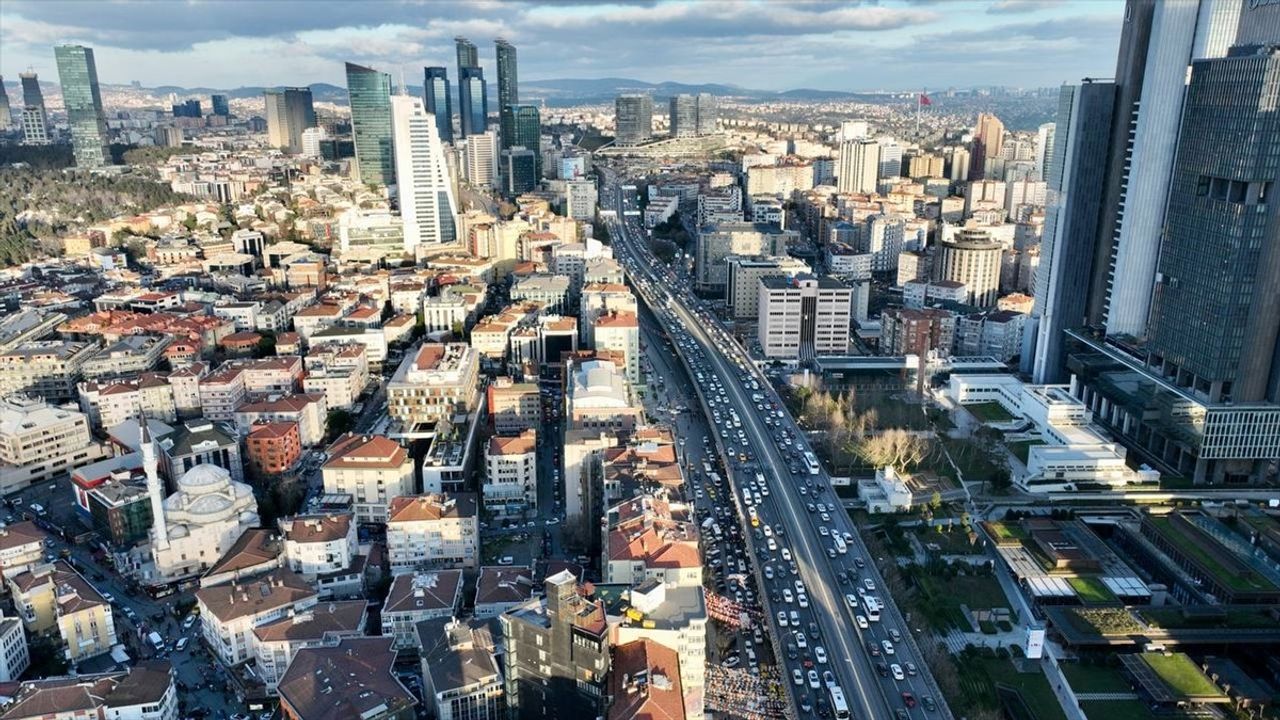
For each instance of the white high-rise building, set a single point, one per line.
(311, 138)
(890, 158)
(427, 206)
(1044, 148)
(853, 130)
(858, 167)
(480, 159)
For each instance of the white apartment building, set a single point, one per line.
(109, 403)
(619, 331)
(511, 474)
(15, 658)
(676, 618)
(433, 382)
(308, 410)
(338, 372)
(39, 442)
(316, 545)
(414, 597)
(742, 292)
(433, 531)
(372, 469)
(274, 644)
(21, 546)
(804, 317)
(229, 613)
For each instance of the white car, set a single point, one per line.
(822, 530)
(795, 618)
(813, 679)
(782, 618)
(803, 600)
(787, 596)
(896, 669)
(888, 647)
(768, 572)
(786, 554)
(801, 641)
(772, 545)
(870, 584)
(852, 600)
(862, 622)
(820, 654)
(797, 677)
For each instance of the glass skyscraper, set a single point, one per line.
(522, 127)
(35, 122)
(220, 106)
(508, 79)
(289, 112)
(435, 95)
(370, 97)
(474, 101)
(424, 189)
(79, 77)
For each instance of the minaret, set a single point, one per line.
(154, 488)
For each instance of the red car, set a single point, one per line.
(908, 699)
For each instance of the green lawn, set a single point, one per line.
(1005, 531)
(950, 542)
(989, 412)
(1095, 679)
(1247, 582)
(1092, 591)
(1235, 617)
(1104, 621)
(1181, 674)
(1032, 686)
(1121, 710)
(941, 598)
(1021, 449)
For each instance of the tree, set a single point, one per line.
(266, 346)
(339, 422)
(895, 448)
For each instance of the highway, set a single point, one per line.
(794, 547)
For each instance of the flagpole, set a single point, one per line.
(919, 96)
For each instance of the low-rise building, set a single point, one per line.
(599, 397)
(372, 469)
(39, 442)
(229, 613)
(145, 691)
(434, 382)
(316, 545)
(646, 683)
(199, 442)
(513, 407)
(272, 448)
(15, 657)
(462, 678)
(433, 531)
(511, 474)
(22, 546)
(415, 597)
(338, 372)
(650, 538)
(54, 596)
(126, 356)
(111, 402)
(306, 410)
(276, 643)
(500, 588)
(46, 368)
(352, 679)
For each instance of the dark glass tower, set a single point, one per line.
(35, 121)
(473, 101)
(508, 80)
(79, 77)
(435, 96)
(522, 127)
(370, 97)
(220, 106)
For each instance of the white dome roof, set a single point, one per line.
(202, 477)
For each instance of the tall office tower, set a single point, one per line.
(473, 101)
(708, 114)
(35, 123)
(480, 159)
(1080, 155)
(1044, 149)
(508, 79)
(971, 257)
(6, 117)
(858, 166)
(1159, 42)
(435, 95)
(633, 115)
(890, 164)
(289, 112)
(522, 127)
(683, 115)
(988, 143)
(220, 105)
(83, 100)
(468, 56)
(425, 190)
(188, 109)
(519, 171)
(369, 93)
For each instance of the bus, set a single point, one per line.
(873, 607)
(841, 547)
(811, 462)
(838, 704)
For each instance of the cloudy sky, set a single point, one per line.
(766, 44)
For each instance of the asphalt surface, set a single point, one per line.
(847, 647)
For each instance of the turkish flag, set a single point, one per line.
(924, 99)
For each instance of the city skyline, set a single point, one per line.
(827, 45)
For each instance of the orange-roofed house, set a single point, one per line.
(372, 469)
(273, 447)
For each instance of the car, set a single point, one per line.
(928, 703)
(911, 669)
(779, 530)
(813, 680)
(787, 596)
(888, 647)
(814, 632)
(896, 670)
(803, 600)
(773, 546)
(820, 654)
(805, 705)
(795, 618)
(873, 649)
(506, 560)
(810, 507)
(908, 699)
(796, 676)
(828, 679)
(786, 554)
(822, 530)
(801, 641)
(894, 635)
(860, 563)
(862, 622)
(782, 618)
(882, 669)
(182, 644)
(852, 575)
(825, 518)
(768, 572)
(732, 661)
(900, 714)
(869, 584)
(799, 586)
(831, 553)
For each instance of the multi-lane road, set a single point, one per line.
(810, 563)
